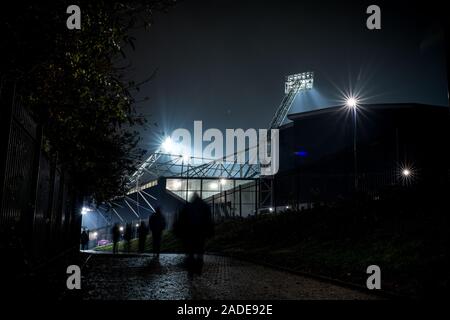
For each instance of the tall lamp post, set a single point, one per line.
(352, 103)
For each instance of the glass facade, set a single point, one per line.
(227, 197)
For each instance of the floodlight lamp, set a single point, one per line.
(186, 157)
(168, 145)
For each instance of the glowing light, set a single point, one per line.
(95, 234)
(407, 173)
(352, 102)
(301, 153)
(299, 81)
(85, 210)
(271, 209)
(168, 145)
(137, 225)
(223, 181)
(177, 184)
(121, 228)
(214, 185)
(287, 207)
(186, 157)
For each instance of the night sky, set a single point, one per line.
(224, 62)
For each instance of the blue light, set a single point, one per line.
(301, 153)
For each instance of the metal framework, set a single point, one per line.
(293, 85)
(160, 164)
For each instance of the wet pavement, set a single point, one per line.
(144, 277)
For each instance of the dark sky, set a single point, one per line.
(224, 62)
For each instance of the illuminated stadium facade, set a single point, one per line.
(365, 149)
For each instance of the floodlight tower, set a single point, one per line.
(293, 85)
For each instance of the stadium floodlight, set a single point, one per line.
(186, 157)
(299, 81)
(167, 145)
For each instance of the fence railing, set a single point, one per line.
(39, 216)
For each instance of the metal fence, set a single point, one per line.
(38, 208)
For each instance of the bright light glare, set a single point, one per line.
(351, 102)
(177, 184)
(85, 210)
(186, 157)
(407, 173)
(95, 234)
(137, 225)
(223, 181)
(168, 145)
(121, 228)
(271, 209)
(214, 185)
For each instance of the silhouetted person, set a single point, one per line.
(115, 237)
(128, 235)
(84, 240)
(157, 223)
(142, 234)
(193, 227)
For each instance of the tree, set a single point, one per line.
(72, 82)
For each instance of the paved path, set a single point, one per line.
(142, 277)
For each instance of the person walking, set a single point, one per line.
(128, 235)
(142, 234)
(84, 239)
(157, 224)
(115, 237)
(193, 226)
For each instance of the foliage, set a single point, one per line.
(73, 83)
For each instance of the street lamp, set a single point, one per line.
(186, 157)
(85, 210)
(406, 172)
(352, 103)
